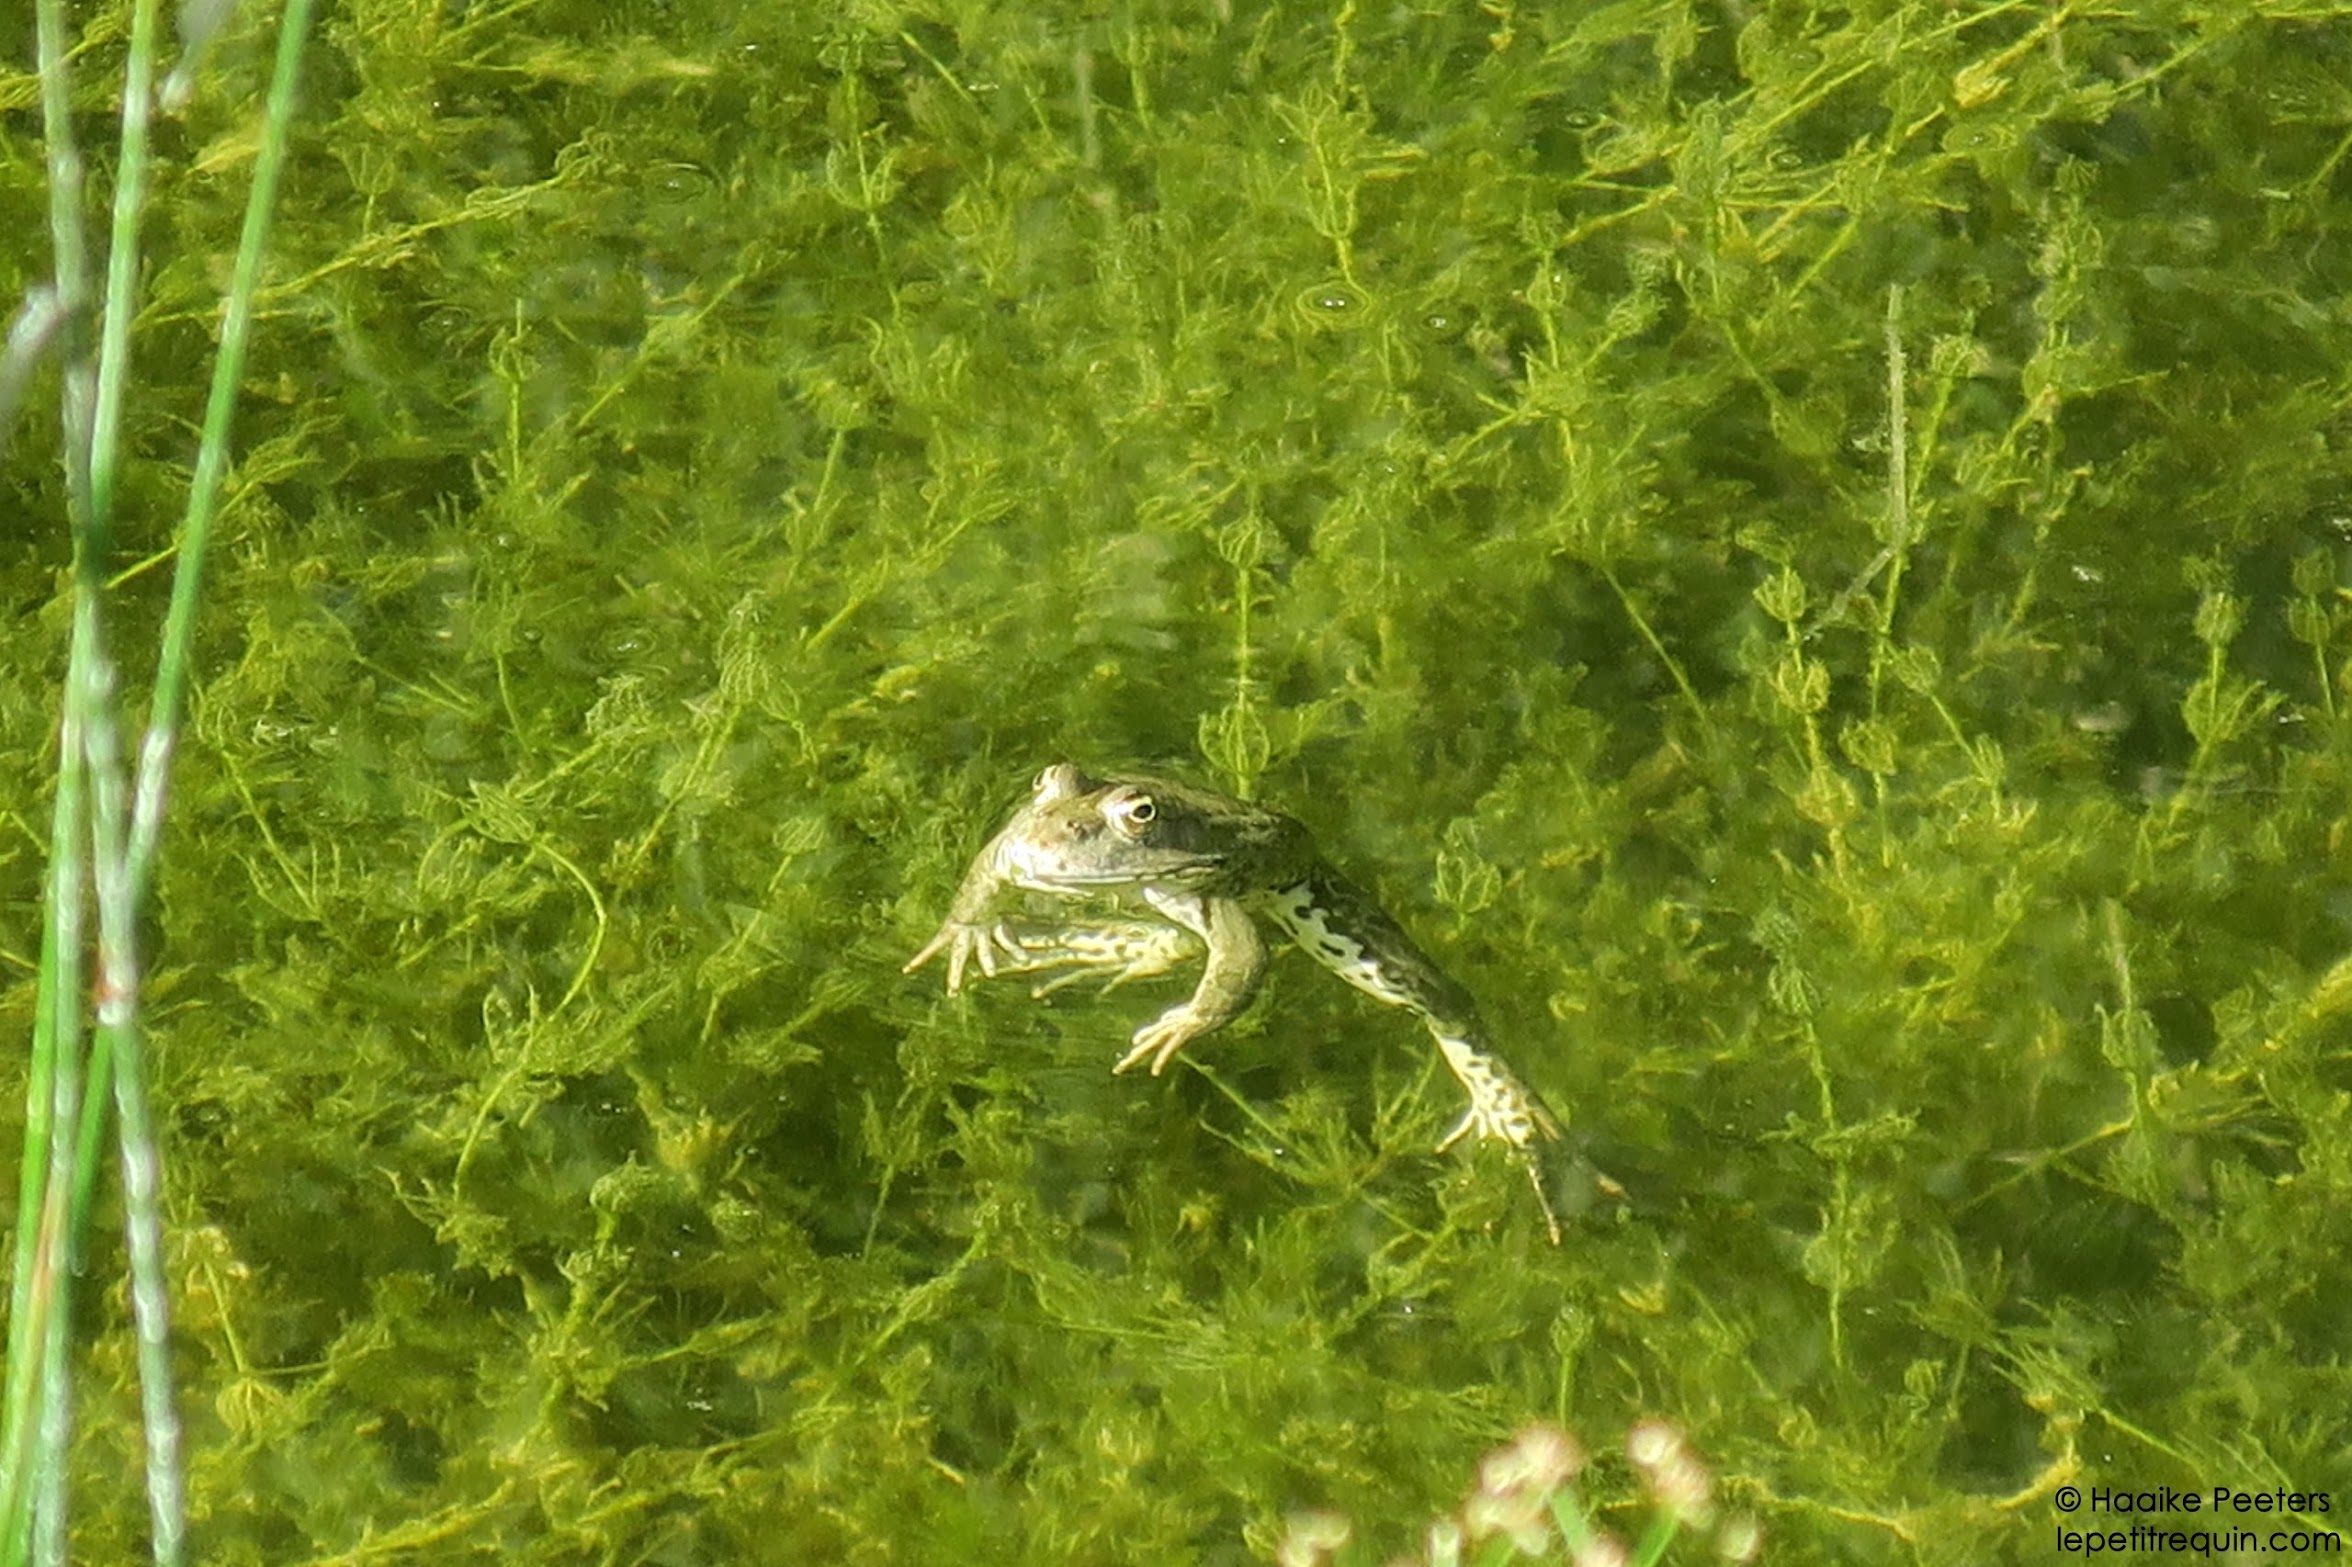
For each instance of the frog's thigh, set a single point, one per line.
(1320, 931)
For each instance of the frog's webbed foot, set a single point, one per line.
(1502, 1110)
(1159, 1040)
(992, 946)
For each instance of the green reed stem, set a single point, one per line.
(122, 279)
(90, 680)
(39, 1414)
(142, 1162)
(123, 825)
(64, 1202)
(212, 452)
(34, 1427)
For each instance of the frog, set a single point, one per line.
(1210, 866)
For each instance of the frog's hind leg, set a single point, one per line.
(1347, 932)
(1352, 936)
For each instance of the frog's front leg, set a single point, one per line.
(970, 935)
(1237, 962)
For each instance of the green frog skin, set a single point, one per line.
(1209, 864)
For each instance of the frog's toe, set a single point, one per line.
(1160, 1039)
(1517, 1134)
(1514, 1122)
(1547, 1125)
(1543, 1199)
(952, 941)
(931, 949)
(970, 946)
(1058, 982)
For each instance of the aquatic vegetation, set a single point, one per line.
(1800, 550)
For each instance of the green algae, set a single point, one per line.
(699, 461)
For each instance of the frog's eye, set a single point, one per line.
(1129, 812)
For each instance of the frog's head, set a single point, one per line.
(1079, 832)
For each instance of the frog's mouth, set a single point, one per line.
(1171, 867)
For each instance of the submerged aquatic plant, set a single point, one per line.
(1797, 546)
